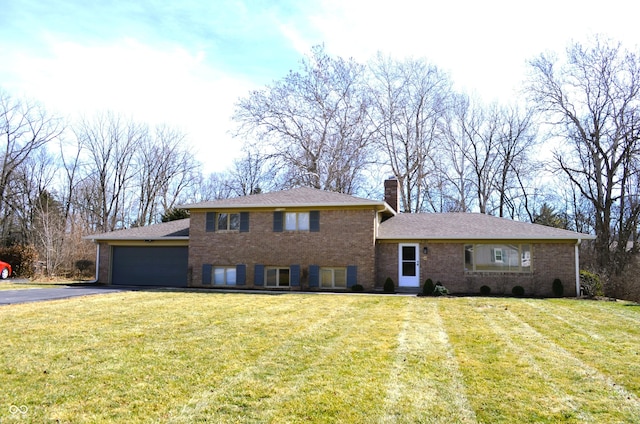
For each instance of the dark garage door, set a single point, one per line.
(150, 266)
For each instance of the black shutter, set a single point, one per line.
(314, 221)
(244, 222)
(277, 222)
(258, 275)
(211, 221)
(241, 274)
(206, 273)
(352, 275)
(294, 275)
(314, 276)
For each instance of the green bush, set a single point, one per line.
(518, 291)
(440, 290)
(485, 290)
(558, 289)
(357, 288)
(428, 288)
(389, 287)
(590, 284)
(22, 259)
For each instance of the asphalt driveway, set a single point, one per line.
(10, 297)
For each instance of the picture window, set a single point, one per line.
(485, 257)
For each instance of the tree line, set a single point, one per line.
(564, 153)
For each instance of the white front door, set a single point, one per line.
(408, 265)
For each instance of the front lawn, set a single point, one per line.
(186, 357)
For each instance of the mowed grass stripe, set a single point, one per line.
(618, 311)
(345, 380)
(516, 374)
(593, 332)
(317, 338)
(135, 351)
(553, 395)
(591, 393)
(335, 376)
(493, 373)
(424, 350)
(596, 389)
(196, 356)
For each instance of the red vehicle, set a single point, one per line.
(5, 270)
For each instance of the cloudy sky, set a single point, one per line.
(185, 63)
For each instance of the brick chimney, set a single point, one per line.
(391, 187)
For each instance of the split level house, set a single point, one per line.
(312, 240)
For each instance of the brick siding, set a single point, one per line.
(345, 238)
(104, 257)
(444, 262)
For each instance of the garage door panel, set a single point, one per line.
(150, 266)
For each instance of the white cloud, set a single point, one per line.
(164, 84)
(84, 64)
(484, 44)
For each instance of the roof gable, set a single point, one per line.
(468, 226)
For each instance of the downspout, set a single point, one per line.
(577, 255)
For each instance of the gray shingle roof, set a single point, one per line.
(296, 197)
(172, 230)
(416, 226)
(459, 226)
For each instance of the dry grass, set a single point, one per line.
(187, 357)
(19, 284)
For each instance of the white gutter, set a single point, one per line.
(577, 254)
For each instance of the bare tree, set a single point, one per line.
(409, 104)
(252, 174)
(39, 217)
(592, 101)
(313, 123)
(165, 169)
(489, 152)
(214, 186)
(453, 164)
(70, 156)
(25, 127)
(32, 178)
(516, 167)
(479, 137)
(110, 143)
(49, 232)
